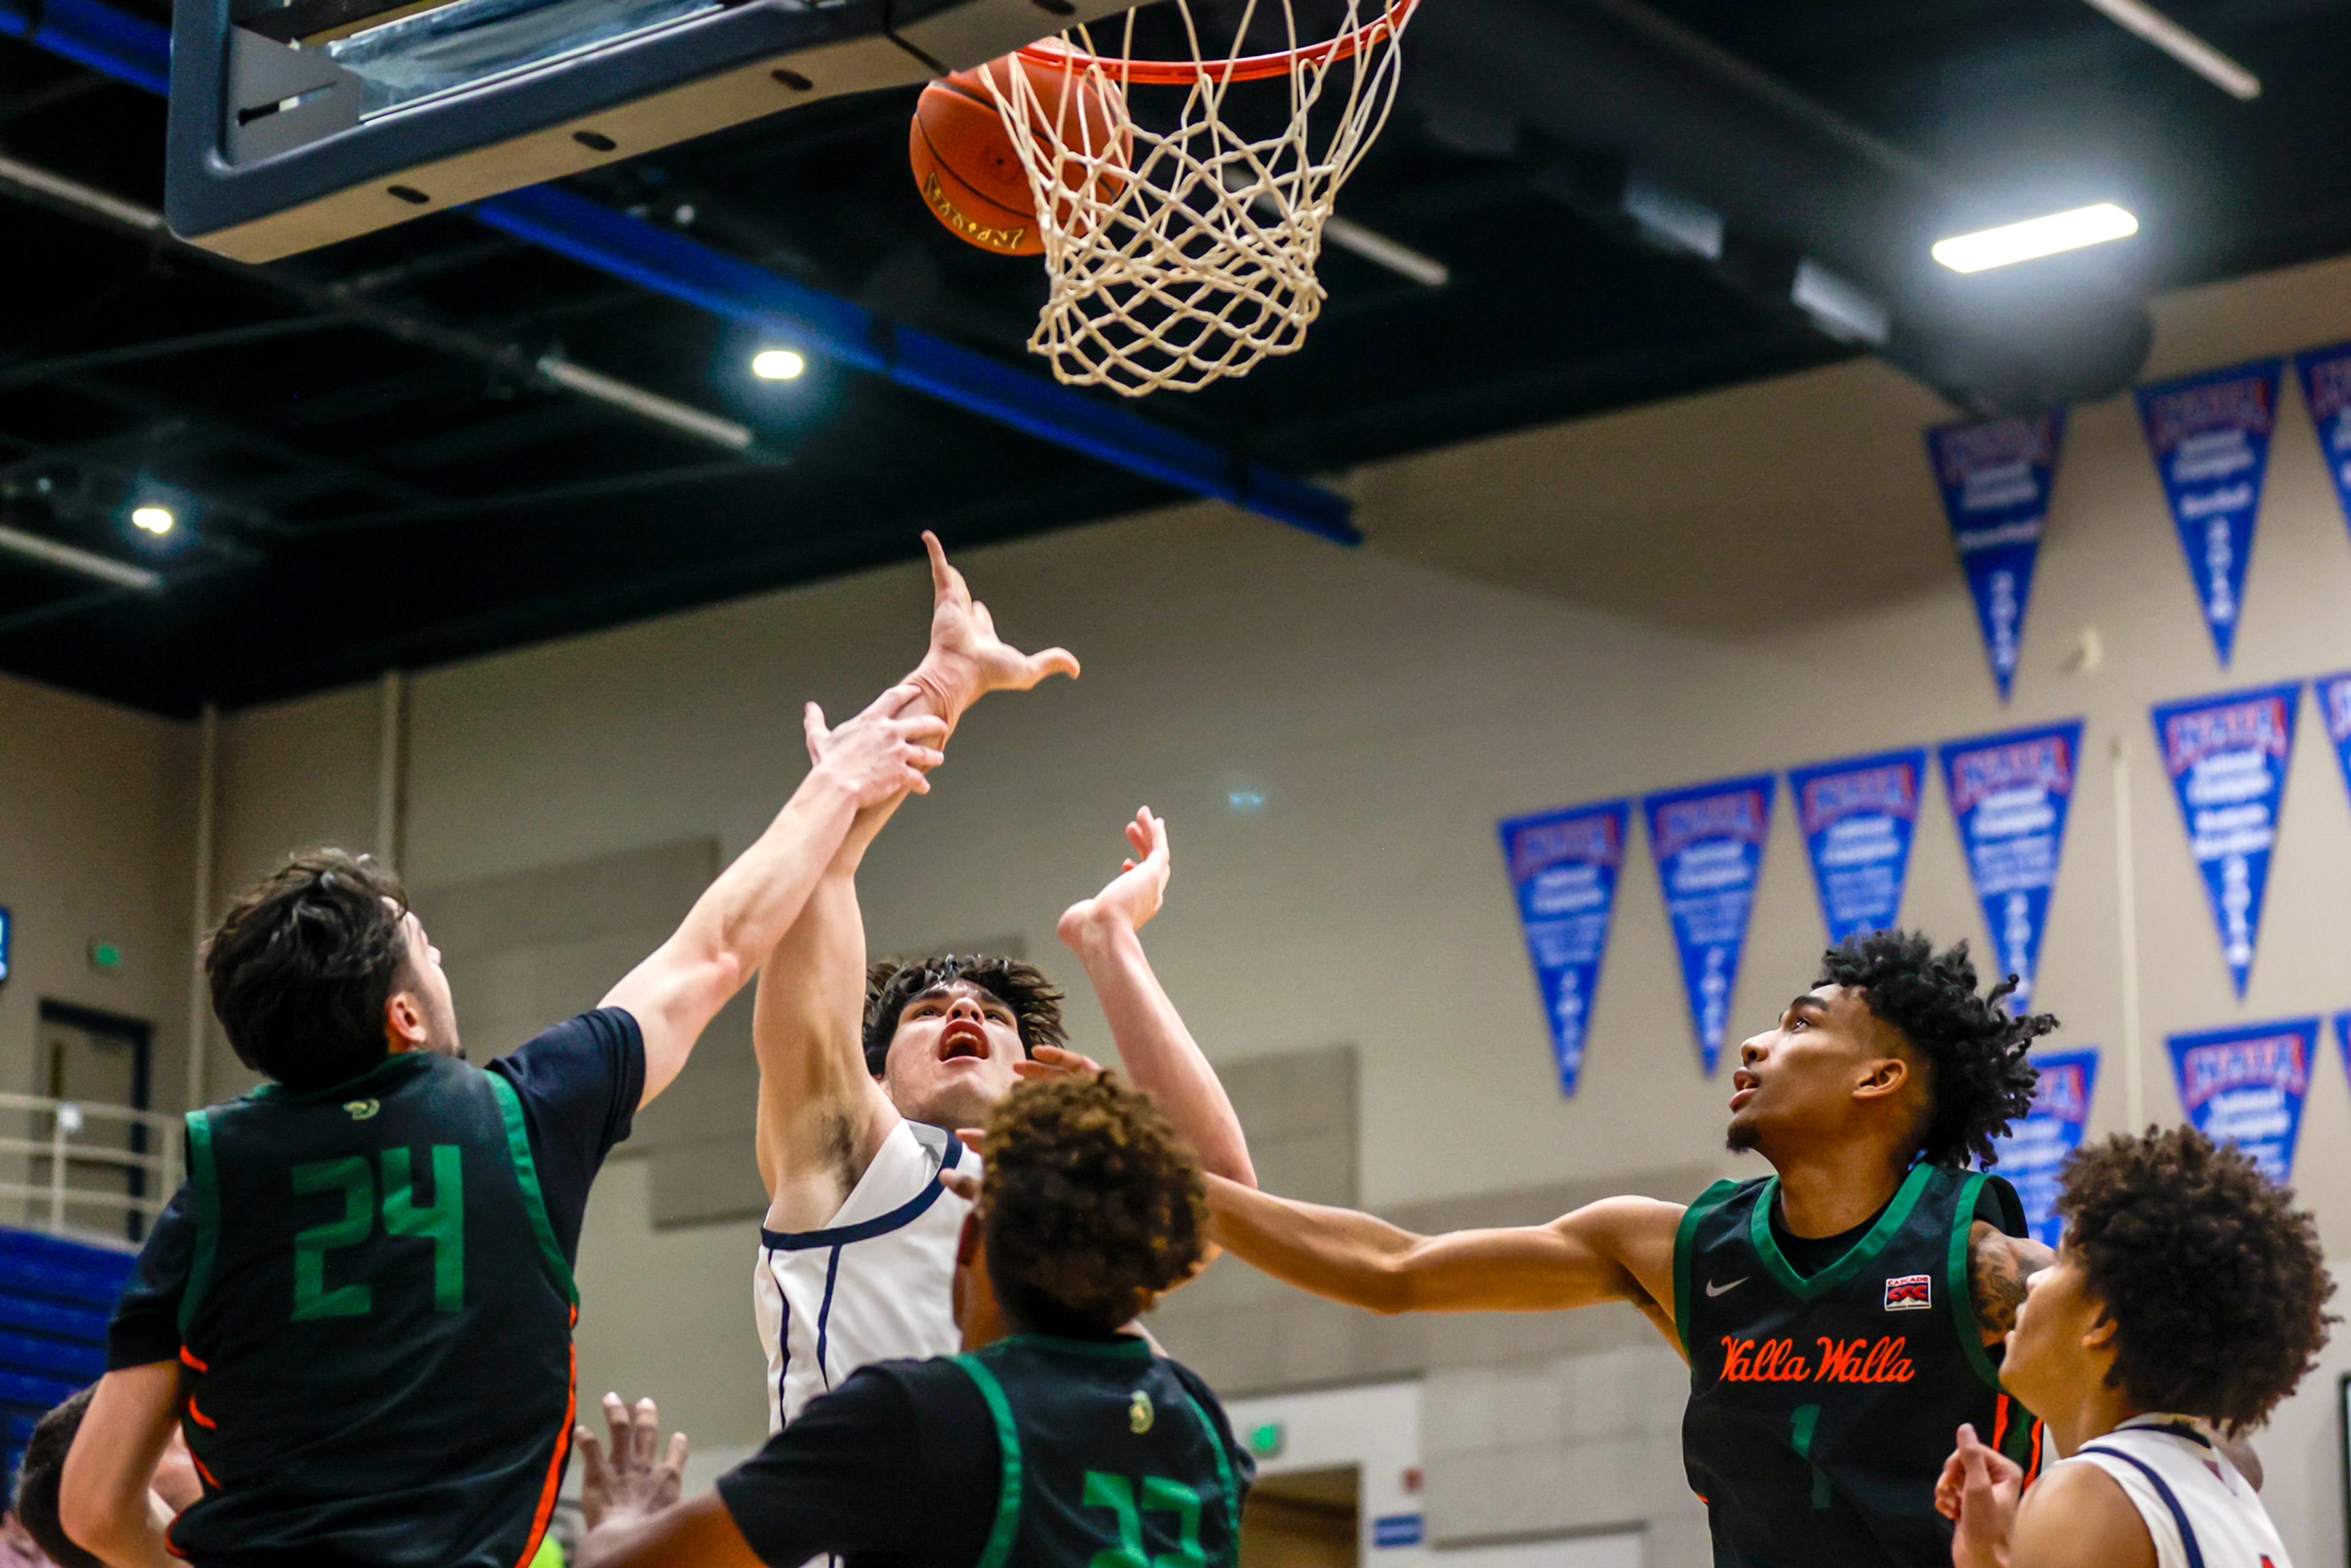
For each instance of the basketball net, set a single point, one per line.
(1181, 253)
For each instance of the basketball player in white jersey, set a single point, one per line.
(2187, 1300)
(860, 1095)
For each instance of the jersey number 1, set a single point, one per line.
(442, 1222)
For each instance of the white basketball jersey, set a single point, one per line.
(2200, 1511)
(872, 1285)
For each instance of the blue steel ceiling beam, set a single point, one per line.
(134, 50)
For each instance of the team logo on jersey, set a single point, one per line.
(361, 1110)
(1139, 1413)
(1910, 1293)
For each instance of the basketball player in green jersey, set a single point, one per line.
(359, 1306)
(1057, 1440)
(1838, 1316)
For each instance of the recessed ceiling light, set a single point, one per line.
(156, 520)
(777, 364)
(2036, 237)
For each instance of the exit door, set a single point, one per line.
(89, 1057)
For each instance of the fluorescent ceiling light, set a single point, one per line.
(2182, 46)
(156, 520)
(777, 364)
(2036, 237)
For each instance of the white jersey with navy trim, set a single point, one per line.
(2200, 1511)
(872, 1285)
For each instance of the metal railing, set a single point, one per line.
(66, 1133)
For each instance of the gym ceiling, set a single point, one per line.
(371, 465)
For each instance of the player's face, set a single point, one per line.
(429, 985)
(1797, 1081)
(2058, 1344)
(953, 1055)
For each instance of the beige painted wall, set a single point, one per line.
(97, 807)
(1753, 579)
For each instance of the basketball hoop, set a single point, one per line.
(1179, 249)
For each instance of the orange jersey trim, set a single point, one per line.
(188, 1358)
(555, 1468)
(200, 1418)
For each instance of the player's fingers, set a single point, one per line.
(892, 700)
(647, 1431)
(673, 1463)
(963, 1184)
(925, 758)
(1053, 662)
(943, 576)
(591, 1456)
(616, 1425)
(1066, 1059)
(971, 1137)
(812, 725)
(927, 727)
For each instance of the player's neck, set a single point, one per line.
(1828, 1191)
(2093, 1411)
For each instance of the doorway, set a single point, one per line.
(86, 1057)
(1304, 1518)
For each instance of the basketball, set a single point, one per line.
(969, 172)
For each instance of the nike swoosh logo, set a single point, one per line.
(1713, 1290)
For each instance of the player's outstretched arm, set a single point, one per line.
(673, 994)
(1618, 1249)
(105, 1499)
(820, 1110)
(1159, 1052)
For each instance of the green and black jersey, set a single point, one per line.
(1822, 1405)
(373, 1304)
(1036, 1452)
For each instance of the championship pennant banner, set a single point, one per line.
(2326, 389)
(1858, 818)
(2244, 1086)
(2010, 794)
(2228, 758)
(2334, 695)
(1995, 478)
(1564, 865)
(2211, 437)
(1709, 844)
(2034, 1153)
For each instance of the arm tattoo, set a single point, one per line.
(1998, 1266)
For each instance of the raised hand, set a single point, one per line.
(1131, 897)
(879, 755)
(967, 660)
(1978, 1492)
(630, 1481)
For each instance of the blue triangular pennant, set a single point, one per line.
(1563, 866)
(1858, 817)
(2009, 795)
(2326, 389)
(2228, 758)
(2211, 437)
(2244, 1086)
(1709, 844)
(1995, 477)
(2334, 695)
(2033, 1153)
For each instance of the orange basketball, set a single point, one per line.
(969, 172)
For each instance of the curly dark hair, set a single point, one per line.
(302, 964)
(1092, 1205)
(38, 1475)
(890, 984)
(2216, 1286)
(1981, 1080)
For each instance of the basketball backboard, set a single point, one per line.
(295, 123)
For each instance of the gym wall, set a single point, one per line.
(1756, 577)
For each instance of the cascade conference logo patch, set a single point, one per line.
(1910, 1293)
